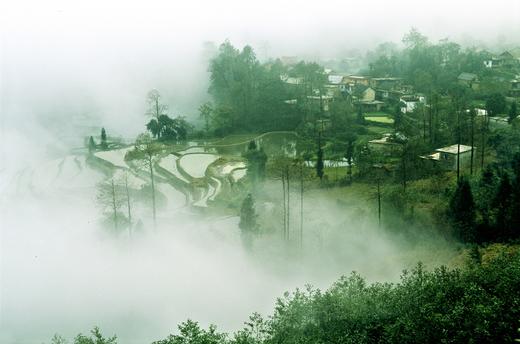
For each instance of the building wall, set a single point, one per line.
(449, 161)
(369, 95)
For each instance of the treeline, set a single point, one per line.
(248, 95)
(477, 304)
(487, 209)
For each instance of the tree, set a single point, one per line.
(97, 338)
(349, 154)
(104, 144)
(57, 339)
(128, 208)
(360, 119)
(415, 39)
(484, 128)
(248, 215)
(109, 201)
(512, 112)
(319, 163)
(155, 110)
(146, 150)
(191, 333)
(256, 162)
(461, 212)
(503, 209)
(91, 145)
(206, 113)
(472, 115)
(496, 104)
(247, 223)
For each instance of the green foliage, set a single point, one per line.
(191, 333)
(248, 95)
(256, 162)
(91, 145)
(168, 129)
(461, 211)
(476, 304)
(248, 215)
(104, 144)
(425, 307)
(496, 104)
(319, 163)
(512, 112)
(96, 338)
(57, 339)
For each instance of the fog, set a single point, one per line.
(63, 60)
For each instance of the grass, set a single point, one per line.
(380, 119)
(376, 130)
(232, 139)
(377, 114)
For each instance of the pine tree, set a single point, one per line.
(512, 112)
(461, 211)
(319, 164)
(248, 215)
(349, 155)
(515, 200)
(104, 144)
(486, 187)
(256, 160)
(91, 145)
(360, 118)
(502, 205)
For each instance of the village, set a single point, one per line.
(377, 97)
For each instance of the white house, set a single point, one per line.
(410, 102)
(446, 157)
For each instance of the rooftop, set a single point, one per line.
(467, 76)
(453, 149)
(335, 79)
(434, 156)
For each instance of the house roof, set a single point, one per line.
(506, 55)
(359, 77)
(411, 98)
(389, 139)
(434, 156)
(335, 79)
(387, 79)
(291, 80)
(359, 89)
(453, 149)
(515, 52)
(370, 102)
(467, 76)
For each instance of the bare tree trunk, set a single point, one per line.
(424, 124)
(430, 126)
(301, 206)
(472, 114)
(458, 145)
(153, 191)
(284, 208)
(288, 203)
(379, 201)
(484, 129)
(128, 206)
(157, 116)
(404, 173)
(114, 207)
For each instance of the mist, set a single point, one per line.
(63, 63)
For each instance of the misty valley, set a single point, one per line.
(368, 197)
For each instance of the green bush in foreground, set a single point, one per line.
(479, 304)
